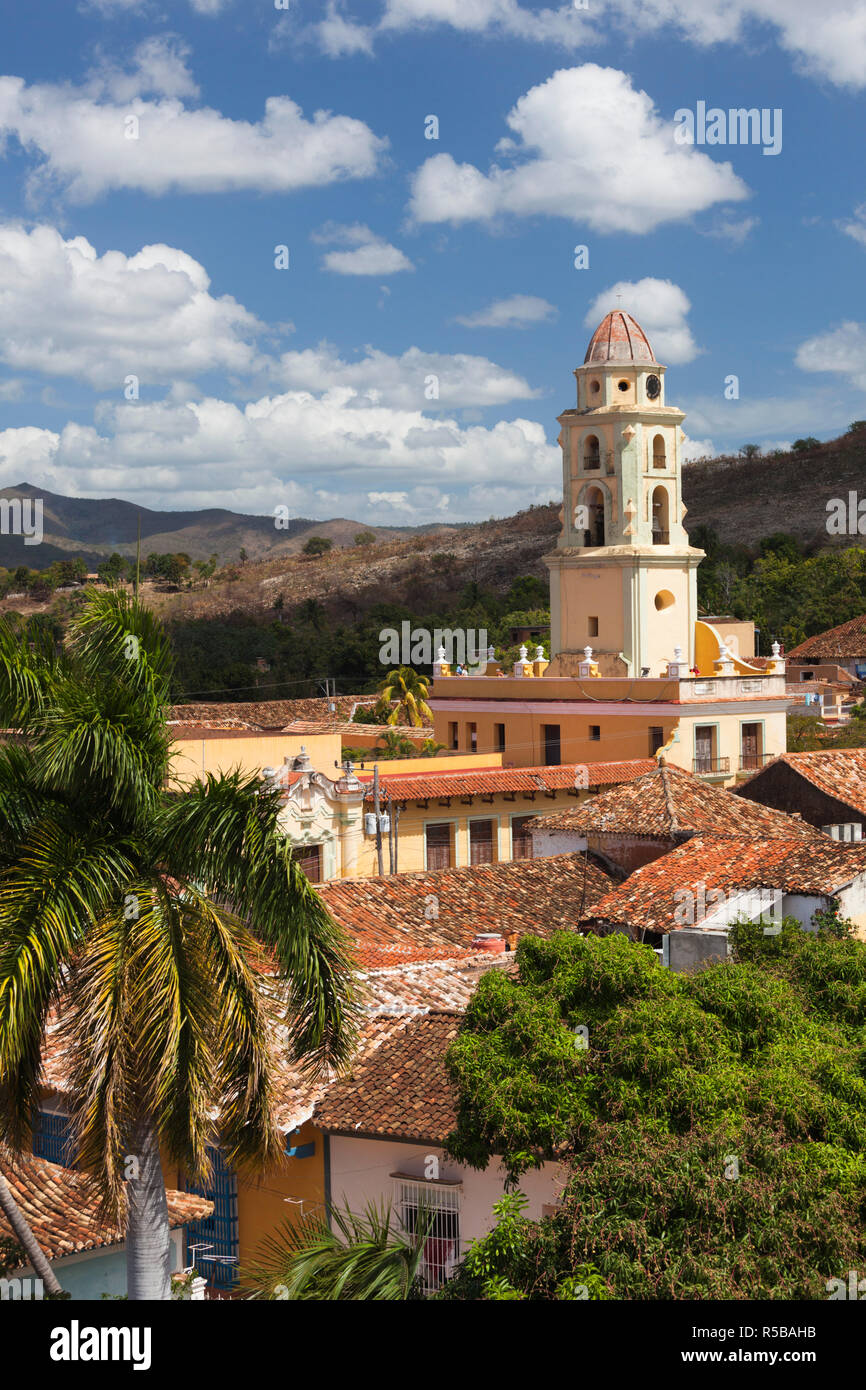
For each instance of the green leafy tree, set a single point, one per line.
(713, 1124)
(103, 913)
(318, 545)
(365, 538)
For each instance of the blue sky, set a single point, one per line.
(409, 363)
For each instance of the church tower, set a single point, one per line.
(623, 577)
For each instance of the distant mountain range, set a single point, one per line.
(742, 500)
(95, 527)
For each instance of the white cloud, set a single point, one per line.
(406, 382)
(565, 25)
(693, 449)
(660, 308)
(830, 44)
(67, 311)
(86, 148)
(368, 254)
(158, 67)
(733, 229)
(855, 226)
(287, 449)
(840, 350)
(517, 311)
(108, 8)
(587, 147)
(338, 35)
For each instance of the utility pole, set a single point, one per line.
(392, 841)
(138, 557)
(377, 813)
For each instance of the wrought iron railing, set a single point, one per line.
(709, 766)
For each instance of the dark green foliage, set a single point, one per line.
(713, 1130)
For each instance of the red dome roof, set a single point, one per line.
(619, 338)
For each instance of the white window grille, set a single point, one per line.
(434, 1206)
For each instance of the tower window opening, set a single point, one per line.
(594, 533)
(591, 452)
(659, 455)
(661, 517)
(623, 385)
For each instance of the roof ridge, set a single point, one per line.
(668, 796)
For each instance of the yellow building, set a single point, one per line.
(633, 669)
(437, 813)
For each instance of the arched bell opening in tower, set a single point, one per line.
(594, 534)
(661, 527)
(591, 452)
(659, 456)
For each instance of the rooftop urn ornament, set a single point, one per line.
(724, 663)
(522, 666)
(302, 763)
(587, 667)
(778, 666)
(678, 667)
(440, 665)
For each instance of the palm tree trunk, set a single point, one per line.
(26, 1239)
(148, 1238)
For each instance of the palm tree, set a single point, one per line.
(410, 689)
(147, 920)
(368, 1256)
(390, 744)
(26, 1239)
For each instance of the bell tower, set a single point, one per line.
(623, 577)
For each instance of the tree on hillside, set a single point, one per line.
(318, 545)
(114, 570)
(147, 920)
(410, 689)
(365, 538)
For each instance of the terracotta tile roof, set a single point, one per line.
(838, 772)
(847, 642)
(268, 714)
(189, 728)
(389, 998)
(448, 907)
(409, 786)
(669, 802)
(647, 898)
(348, 730)
(62, 1208)
(402, 1090)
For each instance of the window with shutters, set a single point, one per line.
(213, 1242)
(521, 840)
(439, 840)
(310, 859)
(550, 735)
(52, 1138)
(481, 842)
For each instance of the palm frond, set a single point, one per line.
(367, 1256)
(223, 833)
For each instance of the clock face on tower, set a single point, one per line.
(653, 387)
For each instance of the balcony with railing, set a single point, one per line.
(750, 762)
(711, 767)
